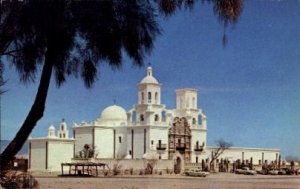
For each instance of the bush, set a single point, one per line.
(14, 180)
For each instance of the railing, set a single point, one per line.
(180, 145)
(198, 148)
(161, 146)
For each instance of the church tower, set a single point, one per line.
(148, 109)
(63, 130)
(149, 89)
(148, 129)
(186, 99)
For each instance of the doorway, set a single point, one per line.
(177, 166)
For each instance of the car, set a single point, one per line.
(196, 173)
(273, 172)
(281, 172)
(262, 172)
(239, 171)
(245, 171)
(248, 171)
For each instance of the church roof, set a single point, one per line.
(149, 79)
(113, 113)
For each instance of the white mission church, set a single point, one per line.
(146, 129)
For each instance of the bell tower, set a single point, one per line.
(186, 99)
(149, 89)
(63, 130)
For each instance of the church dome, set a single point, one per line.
(52, 128)
(149, 79)
(113, 115)
(51, 132)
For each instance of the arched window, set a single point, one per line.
(156, 98)
(197, 143)
(62, 127)
(149, 97)
(143, 98)
(156, 117)
(134, 116)
(199, 119)
(194, 121)
(142, 117)
(163, 116)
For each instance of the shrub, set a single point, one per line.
(13, 180)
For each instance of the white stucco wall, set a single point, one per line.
(121, 147)
(50, 159)
(104, 142)
(156, 134)
(135, 164)
(138, 143)
(200, 136)
(37, 155)
(59, 152)
(236, 153)
(83, 135)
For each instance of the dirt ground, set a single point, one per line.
(214, 181)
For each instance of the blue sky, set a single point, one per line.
(249, 90)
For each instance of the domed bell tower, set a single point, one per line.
(149, 89)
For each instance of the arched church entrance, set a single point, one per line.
(180, 139)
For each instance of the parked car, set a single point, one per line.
(239, 171)
(196, 173)
(273, 172)
(282, 172)
(262, 172)
(245, 171)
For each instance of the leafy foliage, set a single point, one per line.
(16, 180)
(87, 152)
(78, 35)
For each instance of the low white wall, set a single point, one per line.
(135, 164)
(258, 155)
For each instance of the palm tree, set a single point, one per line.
(72, 37)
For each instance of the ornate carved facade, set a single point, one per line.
(180, 139)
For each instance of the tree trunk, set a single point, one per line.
(36, 112)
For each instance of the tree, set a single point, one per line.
(71, 37)
(222, 145)
(150, 162)
(87, 152)
(2, 82)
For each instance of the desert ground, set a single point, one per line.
(214, 181)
